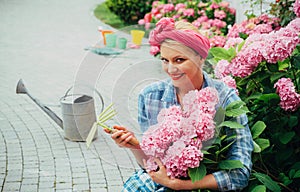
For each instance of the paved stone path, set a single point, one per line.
(43, 43)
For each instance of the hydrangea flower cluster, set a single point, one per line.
(255, 25)
(272, 47)
(289, 98)
(211, 18)
(177, 137)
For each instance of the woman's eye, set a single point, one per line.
(179, 60)
(164, 60)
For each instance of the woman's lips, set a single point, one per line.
(176, 76)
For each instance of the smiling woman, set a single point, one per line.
(183, 51)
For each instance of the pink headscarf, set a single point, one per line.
(165, 29)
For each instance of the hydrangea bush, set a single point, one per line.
(266, 70)
(212, 18)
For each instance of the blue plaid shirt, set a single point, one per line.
(162, 95)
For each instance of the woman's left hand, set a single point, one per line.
(161, 176)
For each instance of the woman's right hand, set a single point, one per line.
(124, 138)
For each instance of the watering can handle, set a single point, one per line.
(98, 93)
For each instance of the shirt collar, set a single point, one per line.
(168, 95)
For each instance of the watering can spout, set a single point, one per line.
(21, 89)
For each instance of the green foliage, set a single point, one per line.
(276, 132)
(282, 10)
(197, 173)
(102, 13)
(230, 164)
(130, 11)
(215, 154)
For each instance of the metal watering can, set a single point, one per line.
(78, 113)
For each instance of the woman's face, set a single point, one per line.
(184, 69)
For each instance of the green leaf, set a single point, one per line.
(197, 173)
(259, 188)
(263, 143)
(293, 121)
(241, 45)
(292, 173)
(236, 108)
(230, 164)
(235, 105)
(284, 179)
(231, 124)
(286, 137)
(208, 161)
(243, 35)
(282, 65)
(224, 148)
(231, 51)
(220, 53)
(237, 112)
(297, 174)
(220, 116)
(296, 61)
(267, 181)
(272, 67)
(276, 76)
(296, 165)
(257, 129)
(257, 148)
(268, 97)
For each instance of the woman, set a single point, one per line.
(183, 51)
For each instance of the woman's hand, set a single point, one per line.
(124, 138)
(161, 176)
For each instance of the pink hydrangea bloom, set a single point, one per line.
(155, 3)
(177, 137)
(233, 42)
(297, 8)
(201, 4)
(141, 22)
(260, 29)
(196, 23)
(158, 16)
(217, 41)
(220, 14)
(294, 24)
(168, 8)
(232, 10)
(214, 6)
(280, 44)
(180, 6)
(224, 4)
(271, 47)
(154, 50)
(222, 69)
(247, 60)
(202, 19)
(217, 23)
(177, 165)
(189, 12)
(261, 24)
(230, 82)
(234, 31)
(289, 98)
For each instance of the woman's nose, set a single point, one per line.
(172, 68)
